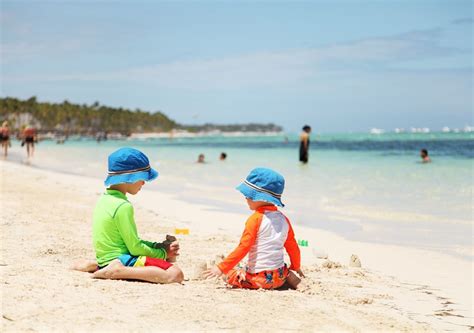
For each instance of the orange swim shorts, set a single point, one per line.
(272, 279)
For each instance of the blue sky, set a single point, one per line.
(336, 65)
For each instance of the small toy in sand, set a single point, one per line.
(302, 242)
(181, 231)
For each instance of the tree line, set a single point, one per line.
(81, 118)
(86, 119)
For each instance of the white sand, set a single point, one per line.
(46, 224)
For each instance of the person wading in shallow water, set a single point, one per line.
(5, 138)
(424, 156)
(304, 143)
(29, 138)
(201, 158)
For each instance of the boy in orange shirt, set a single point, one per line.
(267, 233)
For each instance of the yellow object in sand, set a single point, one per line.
(181, 231)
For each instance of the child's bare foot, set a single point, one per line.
(110, 271)
(84, 265)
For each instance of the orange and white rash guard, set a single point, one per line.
(267, 232)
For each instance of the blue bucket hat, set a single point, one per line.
(263, 184)
(129, 165)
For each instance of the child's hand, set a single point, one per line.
(241, 275)
(172, 250)
(300, 273)
(170, 245)
(212, 272)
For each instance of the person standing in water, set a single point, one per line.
(304, 143)
(29, 138)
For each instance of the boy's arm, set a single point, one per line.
(147, 243)
(128, 230)
(292, 248)
(246, 241)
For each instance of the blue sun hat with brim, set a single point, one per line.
(129, 165)
(263, 184)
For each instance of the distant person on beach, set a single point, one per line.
(304, 143)
(29, 138)
(266, 235)
(424, 156)
(101, 136)
(201, 159)
(120, 253)
(223, 156)
(5, 138)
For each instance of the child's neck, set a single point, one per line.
(119, 187)
(263, 204)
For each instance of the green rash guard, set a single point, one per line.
(114, 231)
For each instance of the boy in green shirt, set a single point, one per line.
(120, 253)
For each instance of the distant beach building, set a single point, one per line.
(115, 136)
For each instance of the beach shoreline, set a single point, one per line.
(418, 286)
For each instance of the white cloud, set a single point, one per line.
(272, 68)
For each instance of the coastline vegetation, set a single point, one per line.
(82, 119)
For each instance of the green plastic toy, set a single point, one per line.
(302, 242)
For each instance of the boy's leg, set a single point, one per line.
(239, 278)
(84, 265)
(273, 279)
(116, 271)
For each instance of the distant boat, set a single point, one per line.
(420, 130)
(468, 129)
(376, 131)
(445, 129)
(399, 130)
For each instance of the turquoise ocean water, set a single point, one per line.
(361, 186)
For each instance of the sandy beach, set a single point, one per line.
(46, 225)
